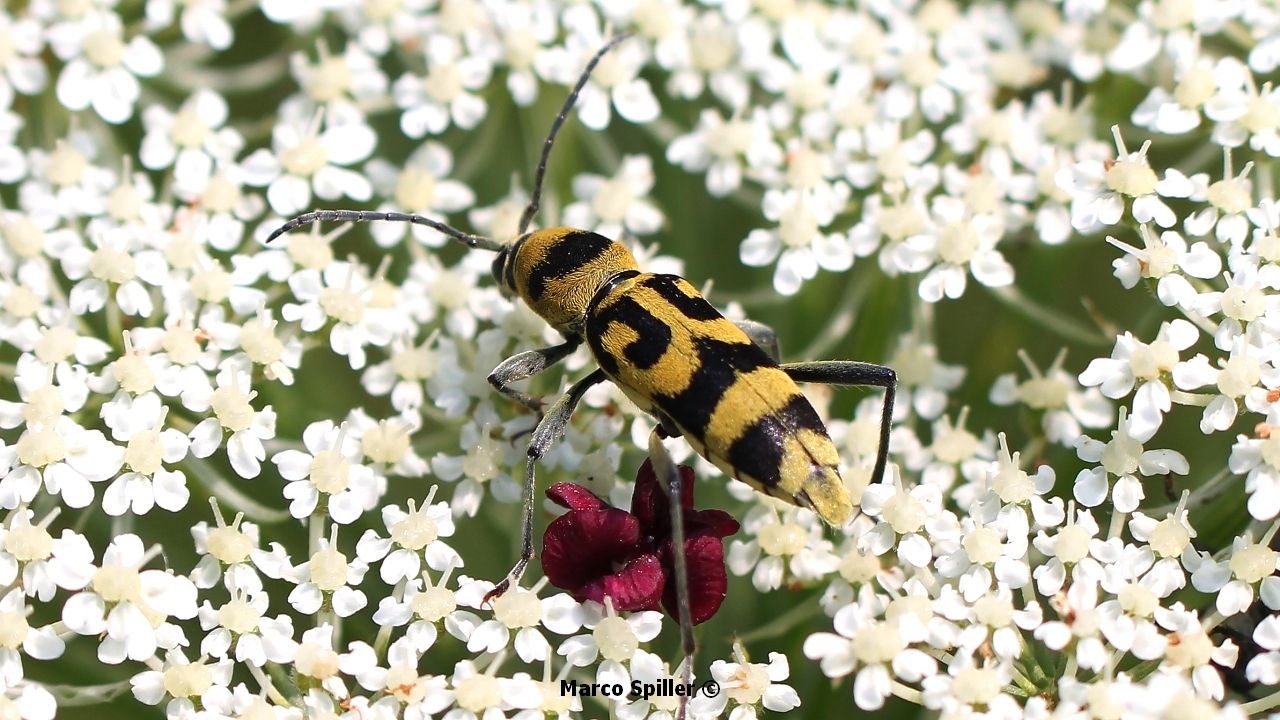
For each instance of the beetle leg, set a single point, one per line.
(549, 430)
(763, 336)
(526, 365)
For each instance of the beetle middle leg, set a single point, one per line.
(526, 365)
(549, 430)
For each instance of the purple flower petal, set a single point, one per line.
(637, 586)
(575, 497)
(704, 558)
(583, 545)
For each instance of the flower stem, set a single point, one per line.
(1048, 317)
(909, 694)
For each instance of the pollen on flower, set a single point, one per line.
(1262, 115)
(1043, 393)
(144, 452)
(1230, 195)
(1122, 454)
(859, 567)
(433, 603)
(993, 611)
(478, 693)
(104, 47)
(982, 545)
(211, 284)
(329, 471)
(797, 225)
(220, 194)
(133, 373)
(782, 538)
(402, 683)
(187, 680)
(56, 344)
(44, 405)
(976, 686)
(259, 342)
(1190, 649)
(416, 529)
(1150, 360)
(41, 447)
(66, 165)
(1244, 303)
(231, 405)
(1169, 538)
(228, 545)
(342, 304)
(329, 79)
(877, 643)
(1131, 176)
(955, 443)
(188, 129)
(238, 616)
(1138, 600)
(310, 251)
(519, 608)
(112, 265)
(415, 188)
(28, 543)
(1072, 544)
(958, 242)
(415, 363)
(117, 583)
(124, 202)
(317, 661)
(329, 569)
(919, 68)
(180, 345)
(900, 221)
(1102, 704)
(483, 457)
(21, 302)
(747, 684)
(615, 638)
(386, 442)
(13, 629)
(1253, 562)
(305, 158)
(444, 82)
(1239, 375)
(23, 236)
(904, 513)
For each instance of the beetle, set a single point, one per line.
(715, 382)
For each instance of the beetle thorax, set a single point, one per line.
(558, 270)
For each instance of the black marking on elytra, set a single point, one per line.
(653, 336)
(750, 451)
(570, 252)
(694, 308)
(720, 365)
(760, 450)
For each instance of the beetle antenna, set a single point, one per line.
(472, 241)
(532, 208)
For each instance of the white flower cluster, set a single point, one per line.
(160, 362)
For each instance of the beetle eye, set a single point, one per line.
(499, 270)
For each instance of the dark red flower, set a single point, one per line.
(596, 550)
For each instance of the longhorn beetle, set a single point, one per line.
(655, 337)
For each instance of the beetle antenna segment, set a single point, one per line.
(532, 208)
(474, 241)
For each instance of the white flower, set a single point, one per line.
(191, 140)
(412, 536)
(1163, 259)
(447, 93)
(122, 600)
(616, 206)
(304, 159)
(1056, 396)
(102, 69)
(718, 147)
(798, 243)
(328, 470)
(875, 649)
(421, 186)
(1150, 366)
(748, 684)
(233, 413)
(1122, 457)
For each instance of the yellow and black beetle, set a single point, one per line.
(699, 374)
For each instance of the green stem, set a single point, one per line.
(1049, 318)
(783, 623)
(1262, 704)
(84, 695)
